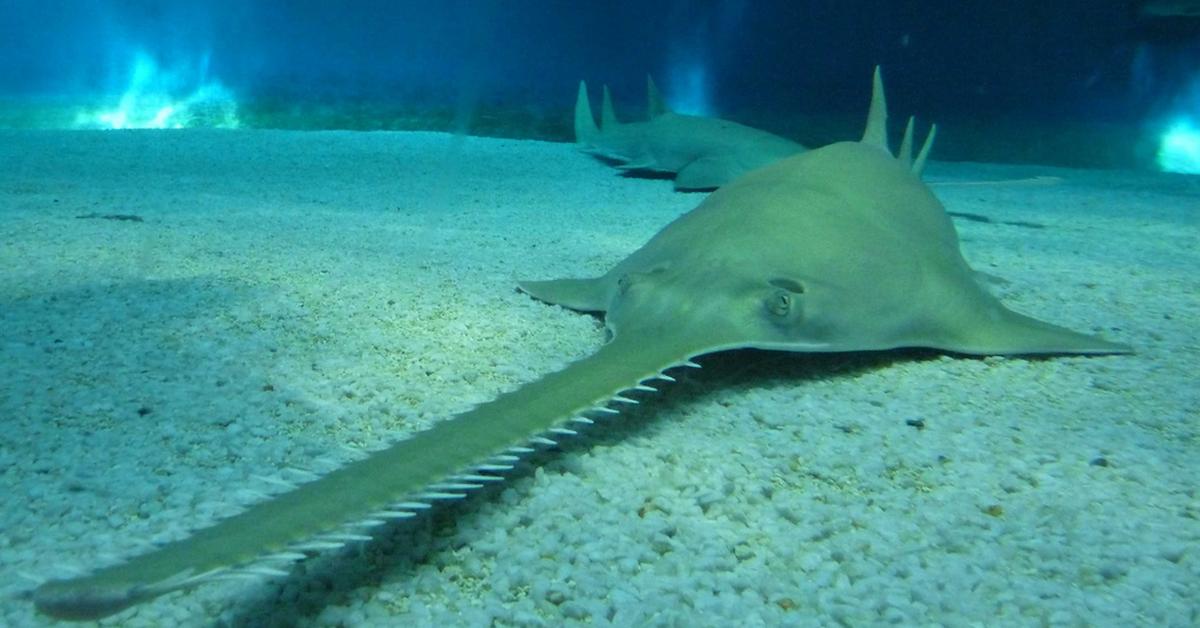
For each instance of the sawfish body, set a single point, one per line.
(837, 249)
(703, 153)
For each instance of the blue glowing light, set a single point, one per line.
(165, 99)
(1179, 149)
(689, 90)
(1179, 144)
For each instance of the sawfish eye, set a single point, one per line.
(623, 284)
(779, 303)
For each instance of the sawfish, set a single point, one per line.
(703, 153)
(841, 248)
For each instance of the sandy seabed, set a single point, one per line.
(288, 298)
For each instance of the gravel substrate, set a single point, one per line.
(289, 297)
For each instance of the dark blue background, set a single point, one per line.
(1067, 58)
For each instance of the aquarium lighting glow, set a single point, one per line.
(165, 99)
(690, 92)
(1179, 149)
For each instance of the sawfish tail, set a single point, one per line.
(444, 462)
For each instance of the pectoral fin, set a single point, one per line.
(707, 173)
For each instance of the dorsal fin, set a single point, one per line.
(585, 124)
(608, 115)
(876, 131)
(654, 102)
(905, 154)
(918, 166)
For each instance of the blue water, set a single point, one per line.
(1113, 77)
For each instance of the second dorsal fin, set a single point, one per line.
(654, 102)
(608, 115)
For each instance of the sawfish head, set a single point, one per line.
(842, 248)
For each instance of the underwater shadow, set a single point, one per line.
(151, 351)
(637, 173)
(90, 337)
